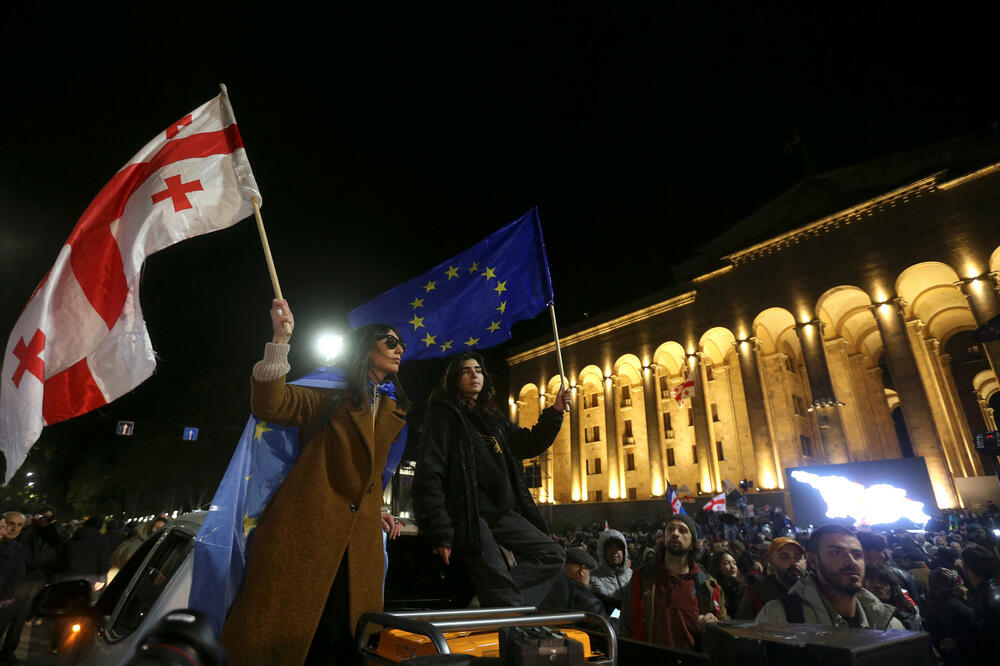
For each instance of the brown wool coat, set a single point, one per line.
(309, 524)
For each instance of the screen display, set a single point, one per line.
(887, 493)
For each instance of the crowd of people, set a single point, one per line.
(39, 549)
(664, 581)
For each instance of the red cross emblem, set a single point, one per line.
(177, 192)
(176, 127)
(28, 359)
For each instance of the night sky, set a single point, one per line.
(385, 143)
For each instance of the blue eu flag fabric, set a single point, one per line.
(264, 456)
(471, 300)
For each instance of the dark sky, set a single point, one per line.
(385, 143)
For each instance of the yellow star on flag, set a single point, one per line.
(500, 288)
(428, 339)
(452, 272)
(471, 341)
(248, 524)
(503, 307)
(417, 303)
(494, 327)
(474, 267)
(489, 274)
(418, 322)
(446, 345)
(259, 430)
(430, 286)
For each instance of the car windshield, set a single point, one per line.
(150, 582)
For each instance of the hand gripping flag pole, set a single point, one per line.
(255, 202)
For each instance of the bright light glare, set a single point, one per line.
(76, 628)
(879, 504)
(328, 345)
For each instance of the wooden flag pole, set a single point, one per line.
(267, 256)
(555, 334)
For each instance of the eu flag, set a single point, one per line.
(264, 456)
(471, 300)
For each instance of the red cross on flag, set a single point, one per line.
(717, 503)
(684, 390)
(81, 341)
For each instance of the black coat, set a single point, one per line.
(570, 594)
(444, 484)
(11, 567)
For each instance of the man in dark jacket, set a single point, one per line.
(981, 569)
(571, 589)
(469, 495)
(786, 564)
(12, 571)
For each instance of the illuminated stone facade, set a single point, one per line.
(843, 335)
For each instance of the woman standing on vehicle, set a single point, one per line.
(310, 575)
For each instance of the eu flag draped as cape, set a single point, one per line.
(264, 456)
(471, 300)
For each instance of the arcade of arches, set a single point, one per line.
(849, 338)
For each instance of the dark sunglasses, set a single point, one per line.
(391, 341)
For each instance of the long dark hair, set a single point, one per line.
(359, 344)
(448, 390)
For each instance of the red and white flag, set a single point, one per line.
(81, 341)
(717, 503)
(685, 389)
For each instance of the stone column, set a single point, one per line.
(767, 473)
(708, 466)
(981, 293)
(988, 418)
(611, 438)
(965, 447)
(824, 402)
(916, 410)
(880, 409)
(654, 438)
(577, 489)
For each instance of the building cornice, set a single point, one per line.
(835, 221)
(619, 322)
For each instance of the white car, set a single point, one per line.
(155, 581)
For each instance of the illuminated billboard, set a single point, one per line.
(884, 493)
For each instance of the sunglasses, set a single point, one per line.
(391, 341)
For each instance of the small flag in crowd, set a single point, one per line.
(675, 501)
(717, 503)
(264, 456)
(81, 341)
(685, 389)
(471, 300)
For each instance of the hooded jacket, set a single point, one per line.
(445, 487)
(608, 580)
(816, 610)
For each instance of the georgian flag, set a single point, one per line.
(685, 389)
(675, 501)
(81, 341)
(717, 503)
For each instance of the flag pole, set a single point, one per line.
(267, 256)
(555, 334)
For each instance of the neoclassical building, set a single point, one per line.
(835, 324)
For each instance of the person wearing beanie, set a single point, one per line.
(949, 621)
(611, 577)
(571, 588)
(670, 600)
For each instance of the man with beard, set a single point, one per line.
(835, 595)
(786, 564)
(670, 600)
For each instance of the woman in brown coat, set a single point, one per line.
(316, 559)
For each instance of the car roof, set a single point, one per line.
(188, 522)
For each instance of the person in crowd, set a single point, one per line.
(724, 569)
(671, 600)
(981, 569)
(571, 588)
(315, 564)
(880, 582)
(786, 564)
(87, 552)
(876, 550)
(469, 495)
(12, 572)
(610, 578)
(835, 595)
(950, 621)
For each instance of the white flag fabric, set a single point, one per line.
(685, 389)
(717, 503)
(81, 341)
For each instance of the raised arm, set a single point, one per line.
(528, 443)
